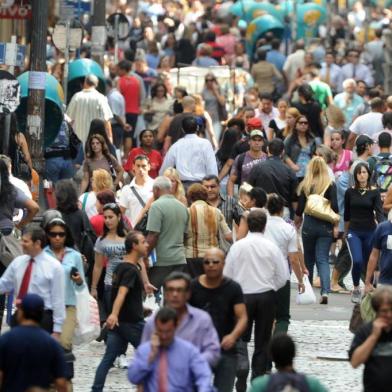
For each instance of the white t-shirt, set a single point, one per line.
(88, 201)
(129, 200)
(368, 124)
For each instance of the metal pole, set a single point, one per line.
(98, 29)
(7, 118)
(116, 25)
(66, 58)
(37, 78)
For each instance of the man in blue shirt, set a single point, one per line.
(274, 56)
(382, 250)
(168, 363)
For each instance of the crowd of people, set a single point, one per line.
(207, 202)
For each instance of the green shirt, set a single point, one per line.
(168, 217)
(321, 92)
(260, 384)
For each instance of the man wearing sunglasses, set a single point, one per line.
(222, 299)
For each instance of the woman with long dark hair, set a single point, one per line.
(97, 127)
(98, 157)
(362, 211)
(300, 146)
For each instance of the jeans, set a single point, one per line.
(225, 372)
(116, 345)
(261, 312)
(58, 168)
(360, 245)
(242, 366)
(317, 238)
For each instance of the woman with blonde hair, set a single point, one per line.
(336, 120)
(317, 234)
(291, 117)
(101, 181)
(177, 188)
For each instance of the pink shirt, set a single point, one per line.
(343, 164)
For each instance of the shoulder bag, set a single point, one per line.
(142, 224)
(21, 169)
(319, 207)
(9, 248)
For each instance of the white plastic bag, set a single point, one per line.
(308, 297)
(87, 316)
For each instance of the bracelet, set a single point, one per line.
(93, 288)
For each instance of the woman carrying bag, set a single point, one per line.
(318, 202)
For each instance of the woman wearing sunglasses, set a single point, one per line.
(300, 146)
(61, 248)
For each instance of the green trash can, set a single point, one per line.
(54, 100)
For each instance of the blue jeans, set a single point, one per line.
(360, 245)
(225, 372)
(58, 168)
(116, 345)
(317, 236)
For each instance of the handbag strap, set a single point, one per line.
(135, 192)
(325, 190)
(84, 201)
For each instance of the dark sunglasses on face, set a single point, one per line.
(210, 80)
(303, 123)
(208, 262)
(54, 234)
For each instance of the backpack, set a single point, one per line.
(287, 382)
(382, 174)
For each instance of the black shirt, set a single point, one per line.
(377, 376)
(240, 147)
(30, 357)
(275, 177)
(218, 303)
(175, 128)
(312, 111)
(359, 209)
(128, 275)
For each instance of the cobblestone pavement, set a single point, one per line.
(314, 338)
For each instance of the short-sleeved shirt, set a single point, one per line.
(218, 303)
(382, 240)
(169, 217)
(129, 87)
(247, 166)
(30, 357)
(206, 224)
(91, 164)
(128, 275)
(114, 251)
(377, 376)
(322, 92)
(7, 209)
(154, 156)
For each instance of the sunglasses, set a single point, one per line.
(210, 80)
(210, 262)
(176, 289)
(54, 234)
(110, 206)
(303, 123)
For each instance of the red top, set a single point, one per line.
(154, 156)
(129, 87)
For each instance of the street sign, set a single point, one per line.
(74, 39)
(123, 26)
(70, 9)
(17, 9)
(12, 54)
(9, 93)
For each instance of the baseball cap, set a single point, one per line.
(255, 122)
(32, 303)
(256, 132)
(363, 140)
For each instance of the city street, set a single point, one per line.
(319, 330)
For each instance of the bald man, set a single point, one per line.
(223, 299)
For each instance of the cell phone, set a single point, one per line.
(74, 271)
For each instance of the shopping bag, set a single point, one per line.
(356, 319)
(307, 297)
(367, 312)
(87, 317)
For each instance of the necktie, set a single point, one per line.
(162, 372)
(354, 71)
(26, 280)
(328, 75)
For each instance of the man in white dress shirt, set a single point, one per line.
(259, 266)
(192, 156)
(355, 70)
(36, 272)
(331, 73)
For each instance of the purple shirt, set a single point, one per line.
(195, 327)
(186, 368)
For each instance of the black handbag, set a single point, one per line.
(74, 143)
(142, 224)
(20, 167)
(222, 112)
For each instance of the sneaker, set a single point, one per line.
(324, 299)
(356, 296)
(122, 362)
